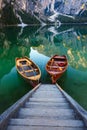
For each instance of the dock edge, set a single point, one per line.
(11, 111)
(79, 109)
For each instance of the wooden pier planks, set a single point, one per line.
(46, 109)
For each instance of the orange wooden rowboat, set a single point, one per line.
(56, 66)
(28, 70)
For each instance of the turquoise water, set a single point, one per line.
(40, 44)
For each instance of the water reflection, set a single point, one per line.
(40, 43)
(67, 40)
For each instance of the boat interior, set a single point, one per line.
(27, 68)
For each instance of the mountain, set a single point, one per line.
(43, 11)
(15, 12)
(64, 11)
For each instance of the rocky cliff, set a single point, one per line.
(42, 11)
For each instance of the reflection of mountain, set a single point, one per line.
(15, 42)
(70, 41)
(48, 40)
(8, 55)
(13, 33)
(9, 34)
(81, 30)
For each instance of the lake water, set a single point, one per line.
(39, 44)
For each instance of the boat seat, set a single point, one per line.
(31, 70)
(32, 73)
(23, 62)
(27, 68)
(29, 74)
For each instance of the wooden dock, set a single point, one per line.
(46, 107)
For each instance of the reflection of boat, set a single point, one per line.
(28, 70)
(56, 66)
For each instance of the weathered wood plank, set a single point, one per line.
(42, 128)
(47, 105)
(48, 88)
(46, 109)
(47, 95)
(80, 111)
(58, 113)
(47, 100)
(47, 122)
(49, 91)
(12, 111)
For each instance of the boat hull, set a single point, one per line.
(28, 70)
(56, 66)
